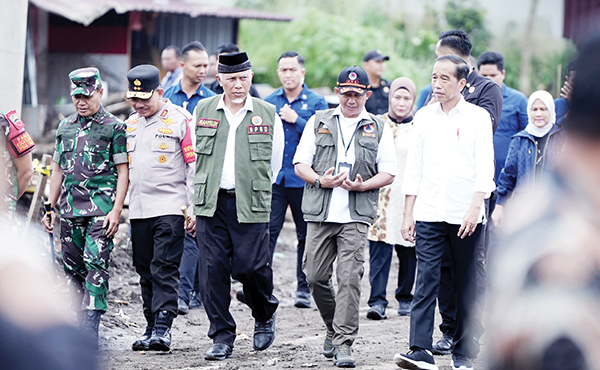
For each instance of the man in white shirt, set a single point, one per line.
(345, 155)
(449, 171)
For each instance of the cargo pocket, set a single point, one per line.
(260, 147)
(368, 150)
(67, 160)
(205, 140)
(200, 188)
(261, 195)
(99, 153)
(324, 154)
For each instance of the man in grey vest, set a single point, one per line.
(345, 155)
(239, 147)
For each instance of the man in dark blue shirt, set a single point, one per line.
(187, 93)
(514, 106)
(295, 104)
(190, 90)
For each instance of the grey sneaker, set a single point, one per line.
(328, 347)
(343, 356)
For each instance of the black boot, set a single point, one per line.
(143, 344)
(161, 336)
(90, 322)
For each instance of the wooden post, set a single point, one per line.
(38, 195)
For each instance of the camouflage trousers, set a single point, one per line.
(86, 256)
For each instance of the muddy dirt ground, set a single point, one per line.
(299, 332)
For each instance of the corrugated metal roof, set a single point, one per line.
(86, 11)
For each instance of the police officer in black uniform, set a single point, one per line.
(374, 65)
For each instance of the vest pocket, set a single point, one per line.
(205, 140)
(367, 150)
(261, 195)
(200, 188)
(260, 147)
(366, 203)
(325, 154)
(312, 200)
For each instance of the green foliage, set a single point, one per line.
(544, 68)
(469, 17)
(328, 44)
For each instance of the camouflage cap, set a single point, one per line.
(85, 81)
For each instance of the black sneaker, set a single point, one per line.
(460, 362)
(444, 346)
(377, 312)
(417, 359)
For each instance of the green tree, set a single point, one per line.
(470, 17)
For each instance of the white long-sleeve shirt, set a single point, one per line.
(450, 158)
(234, 120)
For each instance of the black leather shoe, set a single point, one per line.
(443, 346)
(264, 333)
(161, 335)
(143, 344)
(218, 352)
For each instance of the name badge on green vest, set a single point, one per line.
(210, 123)
(259, 129)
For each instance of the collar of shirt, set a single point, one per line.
(363, 114)
(459, 108)
(96, 117)
(301, 96)
(198, 91)
(248, 106)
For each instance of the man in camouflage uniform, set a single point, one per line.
(161, 169)
(89, 173)
(15, 157)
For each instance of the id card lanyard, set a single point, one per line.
(346, 147)
(345, 166)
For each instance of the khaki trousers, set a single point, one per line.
(325, 242)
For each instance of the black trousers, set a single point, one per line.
(282, 197)
(431, 240)
(229, 248)
(157, 249)
(446, 297)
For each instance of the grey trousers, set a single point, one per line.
(325, 242)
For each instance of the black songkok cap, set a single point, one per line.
(233, 63)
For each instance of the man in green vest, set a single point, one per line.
(239, 148)
(345, 155)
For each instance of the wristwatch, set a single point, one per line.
(317, 182)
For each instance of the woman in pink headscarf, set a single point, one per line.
(385, 234)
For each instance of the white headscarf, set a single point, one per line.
(547, 99)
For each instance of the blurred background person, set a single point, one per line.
(384, 235)
(374, 65)
(169, 60)
(544, 298)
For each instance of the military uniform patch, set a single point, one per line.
(132, 121)
(164, 113)
(369, 130)
(162, 159)
(163, 146)
(259, 129)
(210, 123)
(168, 121)
(323, 131)
(131, 129)
(165, 130)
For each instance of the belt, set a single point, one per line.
(227, 192)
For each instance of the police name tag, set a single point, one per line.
(259, 129)
(344, 167)
(210, 123)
